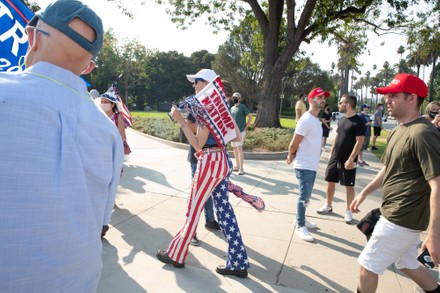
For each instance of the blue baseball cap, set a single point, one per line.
(363, 106)
(60, 13)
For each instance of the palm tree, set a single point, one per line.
(416, 59)
(351, 43)
(367, 82)
(425, 37)
(402, 64)
(400, 51)
(386, 66)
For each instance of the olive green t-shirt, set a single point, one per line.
(412, 157)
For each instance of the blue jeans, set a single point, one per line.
(209, 209)
(306, 180)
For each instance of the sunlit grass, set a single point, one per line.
(285, 122)
(381, 143)
(288, 122)
(149, 114)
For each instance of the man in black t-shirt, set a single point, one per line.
(346, 146)
(326, 118)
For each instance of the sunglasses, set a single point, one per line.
(199, 79)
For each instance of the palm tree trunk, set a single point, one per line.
(431, 82)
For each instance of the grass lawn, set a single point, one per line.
(285, 122)
(381, 143)
(148, 114)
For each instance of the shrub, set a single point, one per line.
(258, 140)
(268, 139)
(159, 127)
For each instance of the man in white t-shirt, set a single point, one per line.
(305, 151)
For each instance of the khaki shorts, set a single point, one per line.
(390, 244)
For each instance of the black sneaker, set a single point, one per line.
(195, 241)
(105, 228)
(222, 270)
(212, 225)
(373, 148)
(162, 255)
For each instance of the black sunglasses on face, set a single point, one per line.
(198, 79)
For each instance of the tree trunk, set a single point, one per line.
(125, 96)
(431, 81)
(268, 108)
(276, 61)
(345, 73)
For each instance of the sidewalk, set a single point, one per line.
(150, 209)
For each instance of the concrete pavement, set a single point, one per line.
(150, 209)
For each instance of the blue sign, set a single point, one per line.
(14, 16)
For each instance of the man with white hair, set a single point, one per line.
(61, 158)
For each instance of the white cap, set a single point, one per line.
(94, 93)
(205, 74)
(236, 95)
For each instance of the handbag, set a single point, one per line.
(367, 223)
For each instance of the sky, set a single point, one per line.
(152, 27)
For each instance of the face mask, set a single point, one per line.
(106, 107)
(433, 114)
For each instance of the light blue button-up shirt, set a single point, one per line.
(60, 164)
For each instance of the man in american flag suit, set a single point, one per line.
(215, 128)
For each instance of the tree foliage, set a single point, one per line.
(241, 60)
(148, 77)
(285, 24)
(424, 44)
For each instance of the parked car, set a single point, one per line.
(337, 115)
(147, 108)
(384, 118)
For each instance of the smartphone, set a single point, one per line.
(425, 259)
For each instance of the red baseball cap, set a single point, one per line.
(316, 92)
(405, 83)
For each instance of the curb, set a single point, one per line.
(262, 156)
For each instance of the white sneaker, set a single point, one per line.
(304, 234)
(325, 209)
(310, 225)
(348, 217)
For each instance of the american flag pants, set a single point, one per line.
(212, 176)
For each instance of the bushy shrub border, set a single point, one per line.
(258, 140)
(159, 127)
